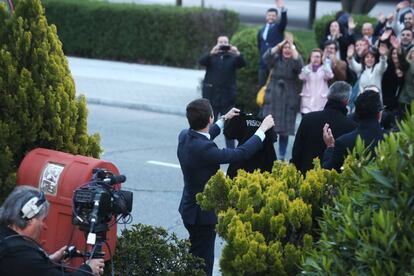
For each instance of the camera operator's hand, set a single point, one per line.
(58, 255)
(267, 123)
(97, 266)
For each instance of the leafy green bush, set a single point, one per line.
(369, 229)
(167, 35)
(320, 24)
(247, 77)
(147, 250)
(267, 220)
(37, 93)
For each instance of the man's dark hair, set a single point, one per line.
(330, 42)
(198, 113)
(368, 104)
(272, 10)
(407, 29)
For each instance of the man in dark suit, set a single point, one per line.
(200, 158)
(219, 85)
(368, 109)
(309, 142)
(269, 36)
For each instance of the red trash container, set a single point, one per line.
(58, 174)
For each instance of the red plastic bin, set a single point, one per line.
(58, 174)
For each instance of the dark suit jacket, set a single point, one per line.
(200, 159)
(309, 142)
(370, 132)
(274, 36)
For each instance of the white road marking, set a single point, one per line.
(171, 165)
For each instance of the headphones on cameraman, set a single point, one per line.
(33, 206)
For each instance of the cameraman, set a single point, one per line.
(219, 85)
(21, 221)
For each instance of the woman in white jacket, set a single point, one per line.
(371, 69)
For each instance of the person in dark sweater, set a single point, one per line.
(241, 128)
(309, 142)
(21, 222)
(368, 109)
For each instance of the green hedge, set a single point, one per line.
(320, 24)
(148, 250)
(165, 35)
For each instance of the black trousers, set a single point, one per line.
(202, 239)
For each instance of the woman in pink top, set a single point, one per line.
(315, 78)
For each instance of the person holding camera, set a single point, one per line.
(22, 218)
(219, 85)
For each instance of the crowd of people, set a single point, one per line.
(356, 84)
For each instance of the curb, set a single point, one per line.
(165, 109)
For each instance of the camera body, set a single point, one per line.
(224, 48)
(98, 202)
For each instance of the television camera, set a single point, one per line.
(98, 205)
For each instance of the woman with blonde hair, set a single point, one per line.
(282, 99)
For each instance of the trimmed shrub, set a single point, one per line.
(247, 77)
(369, 229)
(167, 35)
(147, 250)
(320, 24)
(267, 220)
(37, 93)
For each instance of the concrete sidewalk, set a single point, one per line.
(144, 87)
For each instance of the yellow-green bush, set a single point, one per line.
(267, 220)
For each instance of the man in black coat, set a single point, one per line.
(219, 85)
(21, 222)
(270, 35)
(309, 142)
(200, 159)
(368, 109)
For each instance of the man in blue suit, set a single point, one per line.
(269, 36)
(200, 159)
(368, 109)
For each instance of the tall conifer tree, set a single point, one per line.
(37, 93)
